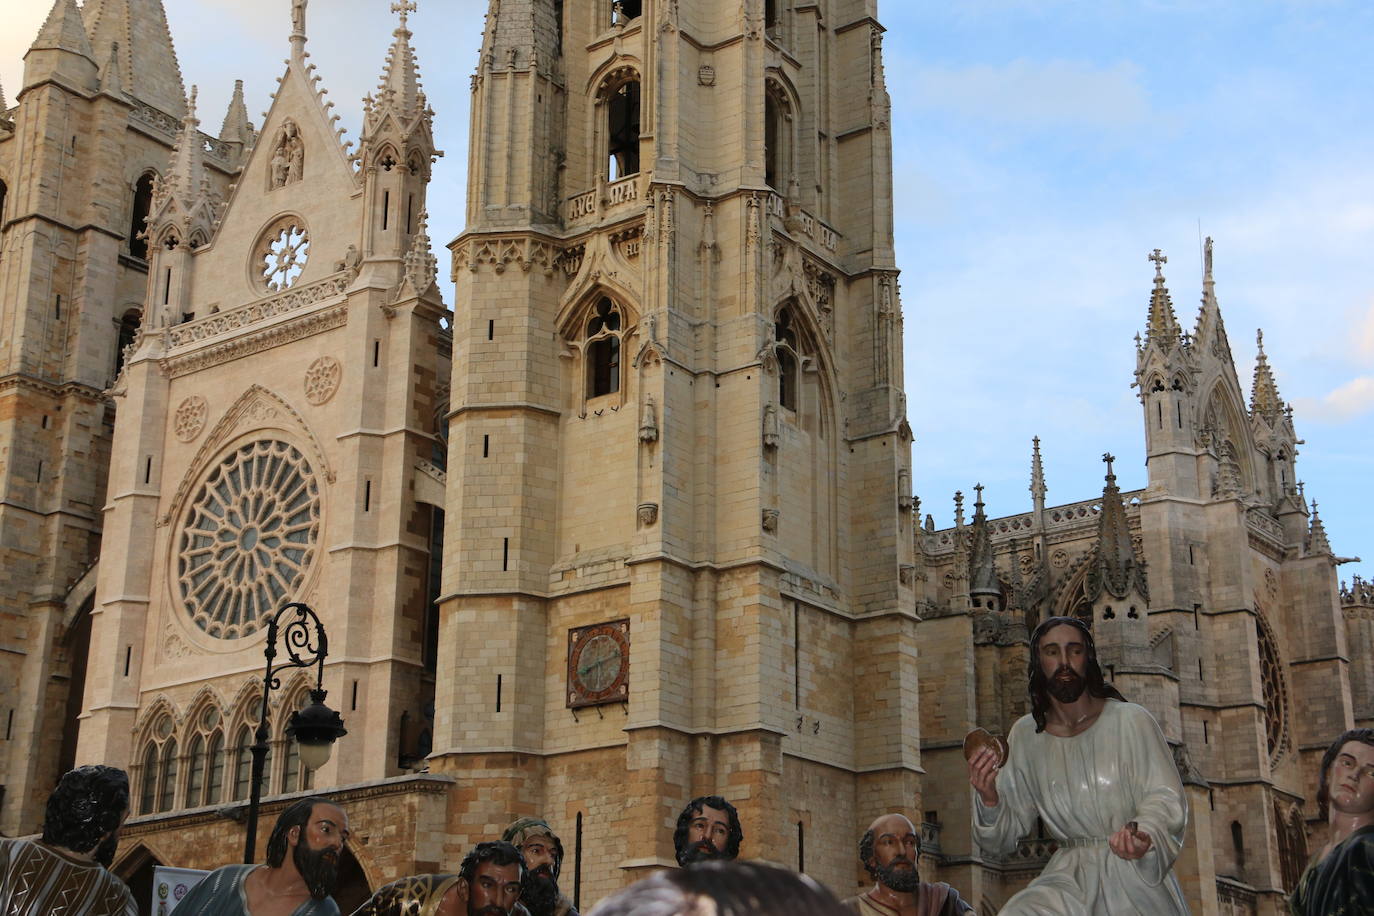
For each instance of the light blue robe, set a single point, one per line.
(222, 893)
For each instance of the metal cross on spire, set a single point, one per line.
(1160, 260)
(1108, 457)
(404, 7)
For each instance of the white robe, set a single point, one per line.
(1086, 788)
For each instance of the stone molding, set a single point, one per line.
(297, 329)
(281, 303)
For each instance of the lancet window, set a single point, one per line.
(157, 778)
(777, 120)
(242, 756)
(788, 351)
(128, 332)
(138, 218)
(205, 759)
(603, 339)
(622, 129)
(4, 192)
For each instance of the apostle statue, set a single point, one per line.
(707, 829)
(1340, 879)
(889, 850)
(1097, 771)
(303, 855)
(543, 852)
(65, 870)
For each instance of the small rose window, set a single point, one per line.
(281, 255)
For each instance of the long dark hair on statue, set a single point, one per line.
(86, 806)
(1040, 685)
(298, 815)
(684, 820)
(1360, 735)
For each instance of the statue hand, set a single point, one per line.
(982, 775)
(1130, 843)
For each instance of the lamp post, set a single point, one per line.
(314, 728)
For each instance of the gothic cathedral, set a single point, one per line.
(633, 522)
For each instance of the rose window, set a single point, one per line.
(283, 254)
(249, 538)
(1275, 696)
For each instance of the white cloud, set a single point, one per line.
(1044, 94)
(1350, 400)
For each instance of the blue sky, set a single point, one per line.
(1043, 149)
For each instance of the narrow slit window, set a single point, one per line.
(491, 329)
(498, 693)
(386, 208)
(486, 446)
(148, 469)
(505, 554)
(57, 307)
(367, 496)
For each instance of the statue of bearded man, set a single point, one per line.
(543, 852)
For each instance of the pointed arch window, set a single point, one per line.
(138, 218)
(4, 192)
(205, 759)
(158, 764)
(622, 129)
(777, 150)
(243, 762)
(127, 334)
(603, 348)
(785, 345)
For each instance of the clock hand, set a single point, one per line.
(593, 666)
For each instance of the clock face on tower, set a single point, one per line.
(599, 664)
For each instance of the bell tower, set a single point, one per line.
(679, 542)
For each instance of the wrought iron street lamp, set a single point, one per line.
(314, 728)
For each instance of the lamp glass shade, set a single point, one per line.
(315, 754)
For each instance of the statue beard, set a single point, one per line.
(901, 880)
(104, 851)
(1066, 685)
(319, 869)
(540, 891)
(701, 852)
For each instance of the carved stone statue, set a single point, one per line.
(298, 16)
(288, 159)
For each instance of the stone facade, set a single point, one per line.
(668, 404)
(1213, 598)
(729, 481)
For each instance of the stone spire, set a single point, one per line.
(62, 50)
(1317, 542)
(1264, 393)
(399, 93)
(1209, 334)
(982, 570)
(186, 174)
(400, 85)
(1037, 482)
(111, 83)
(1163, 325)
(1115, 568)
(421, 267)
(64, 31)
(147, 62)
(236, 127)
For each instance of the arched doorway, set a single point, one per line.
(76, 646)
(352, 891)
(136, 870)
